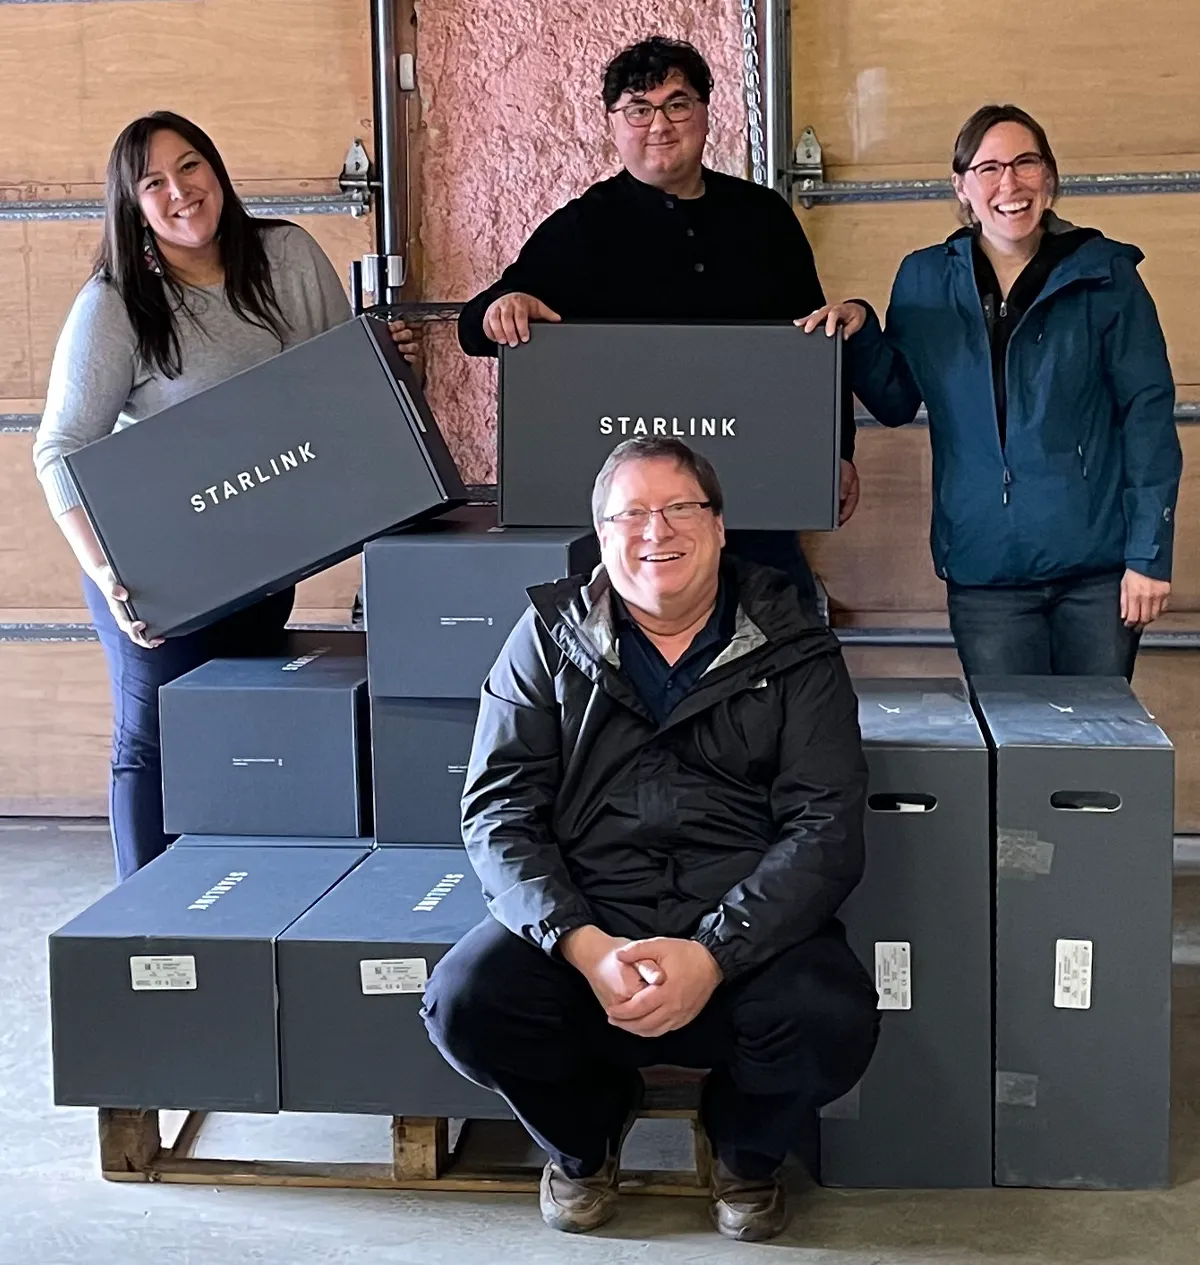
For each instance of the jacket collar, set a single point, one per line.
(579, 616)
(1093, 261)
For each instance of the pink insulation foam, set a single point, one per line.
(513, 128)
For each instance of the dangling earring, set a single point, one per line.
(150, 252)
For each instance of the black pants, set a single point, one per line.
(135, 800)
(1061, 628)
(781, 1041)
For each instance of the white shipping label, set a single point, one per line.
(162, 973)
(1073, 974)
(893, 974)
(393, 975)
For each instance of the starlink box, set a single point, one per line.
(268, 477)
(268, 747)
(761, 401)
(162, 994)
(921, 922)
(420, 750)
(442, 597)
(352, 975)
(1084, 835)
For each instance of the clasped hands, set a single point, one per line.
(647, 987)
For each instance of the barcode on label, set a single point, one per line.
(393, 975)
(1073, 974)
(893, 974)
(162, 973)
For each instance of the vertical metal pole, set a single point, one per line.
(391, 165)
(774, 42)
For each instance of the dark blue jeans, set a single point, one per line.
(1064, 628)
(135, 800)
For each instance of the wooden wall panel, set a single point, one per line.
(55, 736)
(900, 661)
(880, 560)
(859, 247)
(1168, 683)
(888, 83)
(282, 86)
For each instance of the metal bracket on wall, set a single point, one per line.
(357, 178)
(808, 168)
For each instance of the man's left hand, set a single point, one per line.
(848, 498)
(689, 973)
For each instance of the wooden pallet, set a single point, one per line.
(132, 1150)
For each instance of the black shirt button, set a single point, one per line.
(691, 232)
(670, 205)
(699, 267)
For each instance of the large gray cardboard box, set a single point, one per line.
(420, 750)
(762, 401)
(162, 994)
(268, 747)
(442, 597)
(363, 844)
(352, 975)
(1084, 832)
(921, 921)
(265, 478)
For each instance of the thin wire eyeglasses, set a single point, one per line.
(635, 519)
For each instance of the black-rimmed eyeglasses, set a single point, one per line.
(1024, 166)
(641, 113)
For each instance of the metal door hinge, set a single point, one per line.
(357, 177)
(808, 170)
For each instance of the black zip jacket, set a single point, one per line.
(736, 822)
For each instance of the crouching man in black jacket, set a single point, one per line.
(664, 805)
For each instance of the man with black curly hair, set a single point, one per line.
(665, 239)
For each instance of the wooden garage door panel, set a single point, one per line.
(859, 247)
(888, 83)
(282, 86)
(1168, 683)
(55, 735)
(880, 560)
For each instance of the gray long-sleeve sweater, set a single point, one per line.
(98, 384)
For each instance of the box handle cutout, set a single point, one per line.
(902, 803)
(1086, 801)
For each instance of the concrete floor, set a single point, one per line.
(55, 1210)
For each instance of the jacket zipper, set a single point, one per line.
(1041, 298)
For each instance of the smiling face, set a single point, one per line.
(1008, 201)
(659, 566)
(180, 196)
(664, 154)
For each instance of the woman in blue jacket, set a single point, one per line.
(1037, 351)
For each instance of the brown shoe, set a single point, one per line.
(749, 1211)
(576, 1205)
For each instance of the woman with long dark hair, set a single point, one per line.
(187, 290)
(1038, 353)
